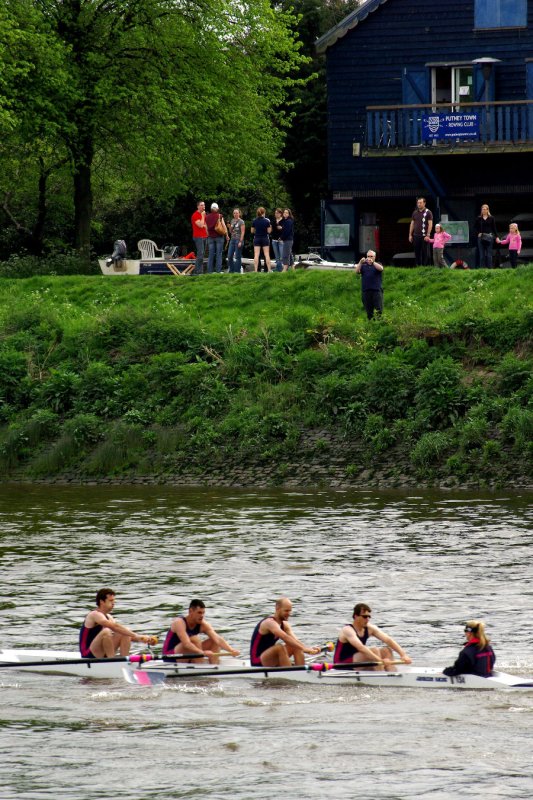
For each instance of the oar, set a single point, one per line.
(157, 676)
(137, 658)
(154, 677)
(186, 656)
(329, 647)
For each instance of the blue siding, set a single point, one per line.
(382, 61)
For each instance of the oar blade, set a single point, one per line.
(142, 677)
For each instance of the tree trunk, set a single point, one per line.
(83, 198)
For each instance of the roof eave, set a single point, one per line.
(347, 24)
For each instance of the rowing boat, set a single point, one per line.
(156, 671)
(407, 677)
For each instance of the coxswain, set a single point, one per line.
(477, 656)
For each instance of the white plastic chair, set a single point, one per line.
(148, 249)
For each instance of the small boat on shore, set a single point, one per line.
(146, 266)
(151, 670)
(315, 261)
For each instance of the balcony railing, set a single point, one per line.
(449, 128)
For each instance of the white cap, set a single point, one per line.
(214, 206)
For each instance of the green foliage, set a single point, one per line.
(430, 448)
(125, 377)
(439, 392)
(389, 386)
(491, 453)
(58, 459)
(13, 369)
(85, 429)
(517, 426)
(98, 390)
(513, 373)
(24, 266)
(377, 434)
(59, 390)
(21, 439)
(334, 393)
(70, 68)
(473, 432)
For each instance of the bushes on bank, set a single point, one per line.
(119, 377)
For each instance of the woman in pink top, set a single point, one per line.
(440, 239)
(514, 240)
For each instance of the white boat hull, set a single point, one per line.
(145, 266)
(408, 677)
(113, 669)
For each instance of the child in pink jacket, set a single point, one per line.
(440, 239)
(514, 240)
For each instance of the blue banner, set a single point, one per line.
(450, 126)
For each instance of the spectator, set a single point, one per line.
(237, 229)
(215, 239)
(439, 241)
(371, 284)
(277, 242)
(485, 231)
(514, 240)
(287, 236)
(199, 235)
(261, 228)
(420, 227)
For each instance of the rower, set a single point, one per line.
(352, 646)
(101, 636)
(477, 656)
(184, 634)
(266, 651)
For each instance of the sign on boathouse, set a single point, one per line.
(450, 126)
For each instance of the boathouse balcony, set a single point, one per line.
(448, 128)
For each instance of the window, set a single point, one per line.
(501, 14)
(452, 84)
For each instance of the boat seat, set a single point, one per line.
(148, 249)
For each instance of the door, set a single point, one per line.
(452, 85)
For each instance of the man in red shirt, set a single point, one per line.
(199, 235)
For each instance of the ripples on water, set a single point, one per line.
(424, 563)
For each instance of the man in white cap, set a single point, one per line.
(215, 239)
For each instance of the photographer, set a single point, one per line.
(371, 284)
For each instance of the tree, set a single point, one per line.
(144, 95)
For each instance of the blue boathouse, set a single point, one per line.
(430, 98)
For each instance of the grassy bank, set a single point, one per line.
(164, 377)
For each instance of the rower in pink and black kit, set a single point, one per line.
(172, 639)
(261, 642)
(86, 637)
(345, 651)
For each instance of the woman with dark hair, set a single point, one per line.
(287, 237)
(277, 243)
(485, 230)
(477, 656)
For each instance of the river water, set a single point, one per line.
(423, 562)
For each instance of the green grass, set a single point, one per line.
(117, 375)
